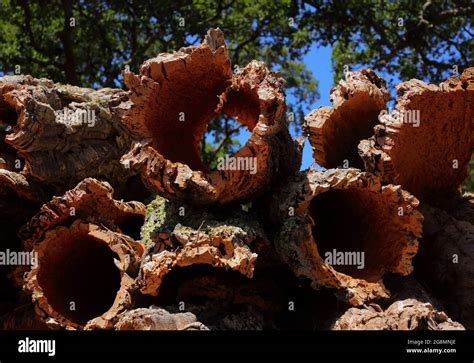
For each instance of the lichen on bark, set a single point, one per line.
(346, 211)
(181, 235)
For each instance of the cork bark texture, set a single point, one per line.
(357, 101)
(86, 261)
(346, 211)
(426, 143)
(177, 95)
(57, 135)
(128, 228)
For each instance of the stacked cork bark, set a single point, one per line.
(133, 231)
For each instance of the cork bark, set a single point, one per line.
(346, 210)
(426, 143)
(241, 247)
(172, 100)
(446, 261)
(410, 308)
(179, 237)
(83, 276)
(334, 132)
(56, 135)
(88, 257)
(156, 318)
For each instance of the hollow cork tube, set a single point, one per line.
(87, 257)
(172, 100)
(426, 143)
(334, 132)
(324, 214)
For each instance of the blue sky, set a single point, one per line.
(317, 60)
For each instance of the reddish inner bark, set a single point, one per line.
(195, 102)
(356, 221)
(430, 159)
(79, 271)
(350, 124)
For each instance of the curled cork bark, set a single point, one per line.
(188, 249)
(426, 143)
(342, 229)
(83, 276)
(56, 135)
(446, 260)
(173, 99)
(410, 308)
(155, 318)
(87, 256)
(91, 200)
(334, 132)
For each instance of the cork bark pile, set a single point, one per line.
(127, 228)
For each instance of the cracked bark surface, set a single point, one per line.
(446, 262)
(86, 261)
(430, 160)
(348, 211)
(334, 132)
(413, 309)
(156, 318)
(56, 135)
(182, 238)
(91, 200)
(83, 277)
(168, 115)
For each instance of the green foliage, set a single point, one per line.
(468, 185)
(405, 38)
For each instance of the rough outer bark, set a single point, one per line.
(196, 83)
(197, 237)
(55, 151)
(347, 210)
(410, 308)
(334, 132)
(409, 314)
(155, 318)
(77, 264)
(422, 159)
(85, 215)
(444, 239)
(91, 200)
